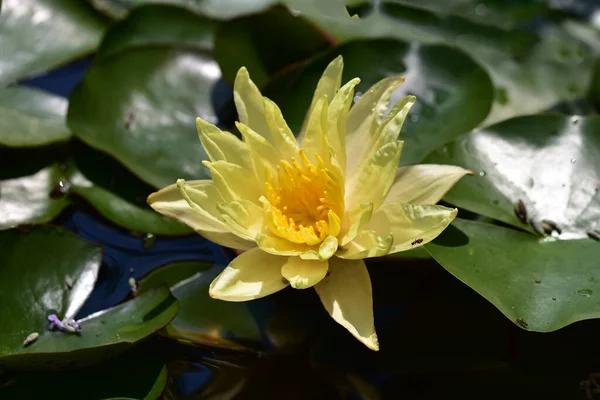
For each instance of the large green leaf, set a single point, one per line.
(453, 93)
(531, 73)
(36, 267)
(541, 285)
(37, 35)
(218, 9)
(117, 194)
(202, 319)
(29, 193)
(30, 117)
(137, 374)
(549, 162)
(145, 117)
(265, 43)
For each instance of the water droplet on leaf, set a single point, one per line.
(584, 292)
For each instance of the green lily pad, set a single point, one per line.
(531, 72)
(38, 35)
(217, 9)
(202, 319)
(29, 196)
(145, 117)
(541, 285)
(550, 162)
(454, 94)
(117, 194)
(137, 374)
(30, 117)
(265, 43)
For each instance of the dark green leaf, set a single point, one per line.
(541, 285)
(202, 319)
(140, 105)
(29, 196)
(117, 194)
(549, 162)
(137, 374)
(218, 9)
(37, 35)
(265, 44)
(30, 117)
(453, 93)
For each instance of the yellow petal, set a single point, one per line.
(303, 274)
(264, 156)
(243, 217)
(328, 85)
(365, 118)
(249, 104)
(250, 275)
(372, 182)
(392, 124)
(234, 182)
(355, 220)
(368, 243)
(283, 138)
(278, 246)
(223, 146)
(347, 296)
(315, 139)
(424, 184)
(204, 218)
(411, 225)
(328, 247)
(337, 120)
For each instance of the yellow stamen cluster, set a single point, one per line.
(306, 201)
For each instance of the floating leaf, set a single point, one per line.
(202, 319)
(539, 285)
(145, 117)
(30, 117)
(265, 43)
(38, 35)
(29, 195)
(549, 162)
(118, 195)
(218, 9)
(453, 93)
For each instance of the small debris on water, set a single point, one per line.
(149, 240)
(554, 298)
(521, 211)
(133, 285)
(32, 337)
(61, 188)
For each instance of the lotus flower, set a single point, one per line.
(309, 210)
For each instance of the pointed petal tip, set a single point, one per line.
(372, 342)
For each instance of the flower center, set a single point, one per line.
(307, 201)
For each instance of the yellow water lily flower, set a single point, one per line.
(309, 210)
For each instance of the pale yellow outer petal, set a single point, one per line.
(355, 220)
(243, 217)
(278, 246)
(223, 146)
(372, 182)
(347, 295)
(264, 156)
(365, 118)
(315, 139)
(338, 119)
(204, 218)
(283, 137)
(234, 182)
(368, 243)
(250, 275)
(249, 104)
(424, 184)
(328, 85)
(392, 124)
(303, 274)
(411, 225)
